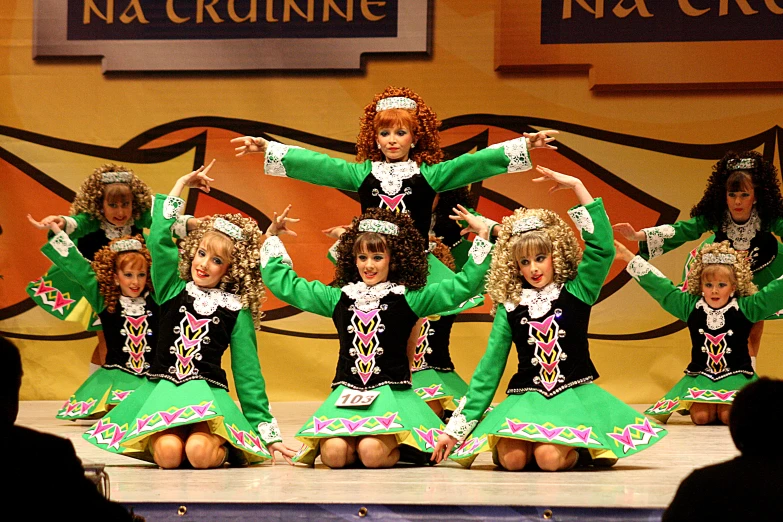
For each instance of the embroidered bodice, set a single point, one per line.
(761, 246)
(131, 333)
(432, 345)
(719, 340)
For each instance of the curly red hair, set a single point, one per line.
(107, 263)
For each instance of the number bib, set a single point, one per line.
(355, 398)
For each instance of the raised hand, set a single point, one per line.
(443, 447)
(199, 179)
(540, 139)
(279, 224)
(53, 223)
(628, 232)
(335, 232)
(562, 182)
(248, 144)
(622, 253)
(475, 224)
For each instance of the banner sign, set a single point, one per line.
(138, 35)
(632, 44)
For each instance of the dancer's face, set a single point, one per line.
(132, 280)
(118, 207)
(395, 143)
(740, 203)
(373, 266)
(717, 288)
(537, 269)
(209, 265)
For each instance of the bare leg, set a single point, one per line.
(205, 449)
(338, 452)
(378, 452)
(99, 353)
(703, 413)
(723, 413)
(514, 454)
(754, 341)
(436, 407)
(168, 448)
(555, 457)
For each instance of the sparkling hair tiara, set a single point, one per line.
(741, 164)
(526, 224)
(116, 177)
(395, 102)
(228, 228)
(378, 226)
(125, 245)
(718, 259)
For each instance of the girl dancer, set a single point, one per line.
(544, 288)
(210, 298)
(742, 204)
(372, 412)
(720, 307)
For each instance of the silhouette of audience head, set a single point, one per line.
(753, 404)
(10, 381)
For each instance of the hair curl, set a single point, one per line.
(107, 263)
(739, 273)
(442, 252)
(408, 258)
(764, 177)
(90, 197)
(243, 276)
(422, 122)
(504, 281)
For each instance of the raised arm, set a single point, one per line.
(764, 303)
(656, 241)
(63, 253)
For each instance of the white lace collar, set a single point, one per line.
(741, 235)
(391, 175)
(368, 298)
(133, 306)
(538, 302)
(207, 300)
(715, 319)
(114, 231)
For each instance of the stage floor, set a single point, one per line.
(647, 480)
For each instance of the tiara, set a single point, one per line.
(526, 224)
(741, 164)
(395, 102)
(718, 259)
(124, 245)
(376, 225)
(228, 228)
(116, 177)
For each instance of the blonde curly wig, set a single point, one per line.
(504, 281)
(739, 273)
(422, 122)
(91, 194)
(243, 276)
(107, 263)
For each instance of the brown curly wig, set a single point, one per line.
(107, 263)
(422, 122)
(504, 281)
(91, 194)
(443, 253)
(243, 275)
(739, 273)
(764, 179)
(408, 264)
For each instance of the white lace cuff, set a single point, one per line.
(273, 247)
(179, 228)
(582, 219)
(517, 154)
(639, 267)
(458, 426)
(269, 432)
(273, 158)
(171, 206)
(333, 250)
(70, 224)
(61, 243)
(656, 237)
(479, 250)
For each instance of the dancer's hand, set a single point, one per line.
(335, 232)
(443, 447)
(563, 182)
(284, 450)
(540, 139)
(195, 222)
(248, 144)
(622, 253)
(197, 179)
(279, 224)
(53, 223)
(628, 232)
(475, 224)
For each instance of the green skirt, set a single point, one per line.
(584, 416)
(698, 388)
(63, 298)
(396, 411)
(160, 405)
(436, 385)
(102, 390)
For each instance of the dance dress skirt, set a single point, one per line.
(102, 391)
(445, 387)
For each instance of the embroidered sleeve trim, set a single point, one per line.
(273, 159)
(479, 250)
(639, 267)
(70, 224)
(180, 227)
(458, 426)
(656, 236)
(582, 219)
(517, 154)
(333, 250)
(61, 243)
(171, 206)
(269, 432)
(273, 247)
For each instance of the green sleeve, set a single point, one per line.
(79, 225)
(664, 238)
(678, 303)
(164, 253)
(280, 278)
(64, 254)
(145, 220)
(249, 382)
(485, 380)
(776, 227)
(314, 167)
(598, 256)
(509, 156)
(763, 303)
(449, 293)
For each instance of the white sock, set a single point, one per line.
(94, 367)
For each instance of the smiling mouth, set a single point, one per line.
(201, 274)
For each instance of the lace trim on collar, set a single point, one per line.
(538, 302)
(133, 306)
(368, 298)
(715, 317)
(391, 175)
(207, 300)
(114, 231)
(741, 235)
